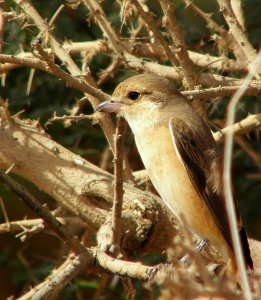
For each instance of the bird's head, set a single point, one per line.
(139, 93)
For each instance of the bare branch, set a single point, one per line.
(40, 210)
(60, 277)
(94, 118)
(104, 119)
(118, 183)
(237, 32)
(249, 123)
(219, 92)
(228, 41)
(205, 61)
(158, 36)
(179, 44)
(39, 224)
(236, 6)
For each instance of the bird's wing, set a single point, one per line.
(200, 159)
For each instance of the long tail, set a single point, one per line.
(246, 249)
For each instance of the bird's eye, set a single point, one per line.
(134, 95)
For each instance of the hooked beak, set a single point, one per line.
(109, 106)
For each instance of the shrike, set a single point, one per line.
(180, 156)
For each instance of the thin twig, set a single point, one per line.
(251, 122)
(227, 39)
(104, 120)
(147, 17)
(28, 224)
(179, 43)
(236, 31)
(236, 6)
(2, 205)
(60, 277)
(41, 211)
(219, 92)
(94, 117)
(118, 183)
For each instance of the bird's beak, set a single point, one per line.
(109, 106)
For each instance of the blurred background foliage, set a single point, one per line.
(49, 95)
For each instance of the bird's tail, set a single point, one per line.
(246, 249)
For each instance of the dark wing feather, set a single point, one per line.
(202, 162)
(200, 158)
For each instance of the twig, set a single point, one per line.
(119, 267)
(97, 11)
(104, 120)
(219, 92)
(158, 36)
(236, 6)
(56, 14)
(227, 39)
(206, 79)
(205, 61)
(39, 224)
(41, 211)
(94, 117)
(236, 31)
(134, 63)
(251, 122)
(55, 69)
(126, 268)
(45, 29)
(118, 183)
(4, 213)
(179, 44)
(30, 82)
(70, 271)
(109, 72)
(50, 67)
(210, 22)
(227, 178)
(60, 277)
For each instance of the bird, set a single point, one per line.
(180, 155)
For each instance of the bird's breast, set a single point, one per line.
(171, 180)
(164, 167)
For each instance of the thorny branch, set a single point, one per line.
(179, 46)
(118, 183)
(213, 77)
(64, 56)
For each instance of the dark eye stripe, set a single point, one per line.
(134, 95)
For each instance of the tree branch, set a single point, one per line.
(179, 44)
(249, 123)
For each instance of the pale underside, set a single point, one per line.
(171, 180)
